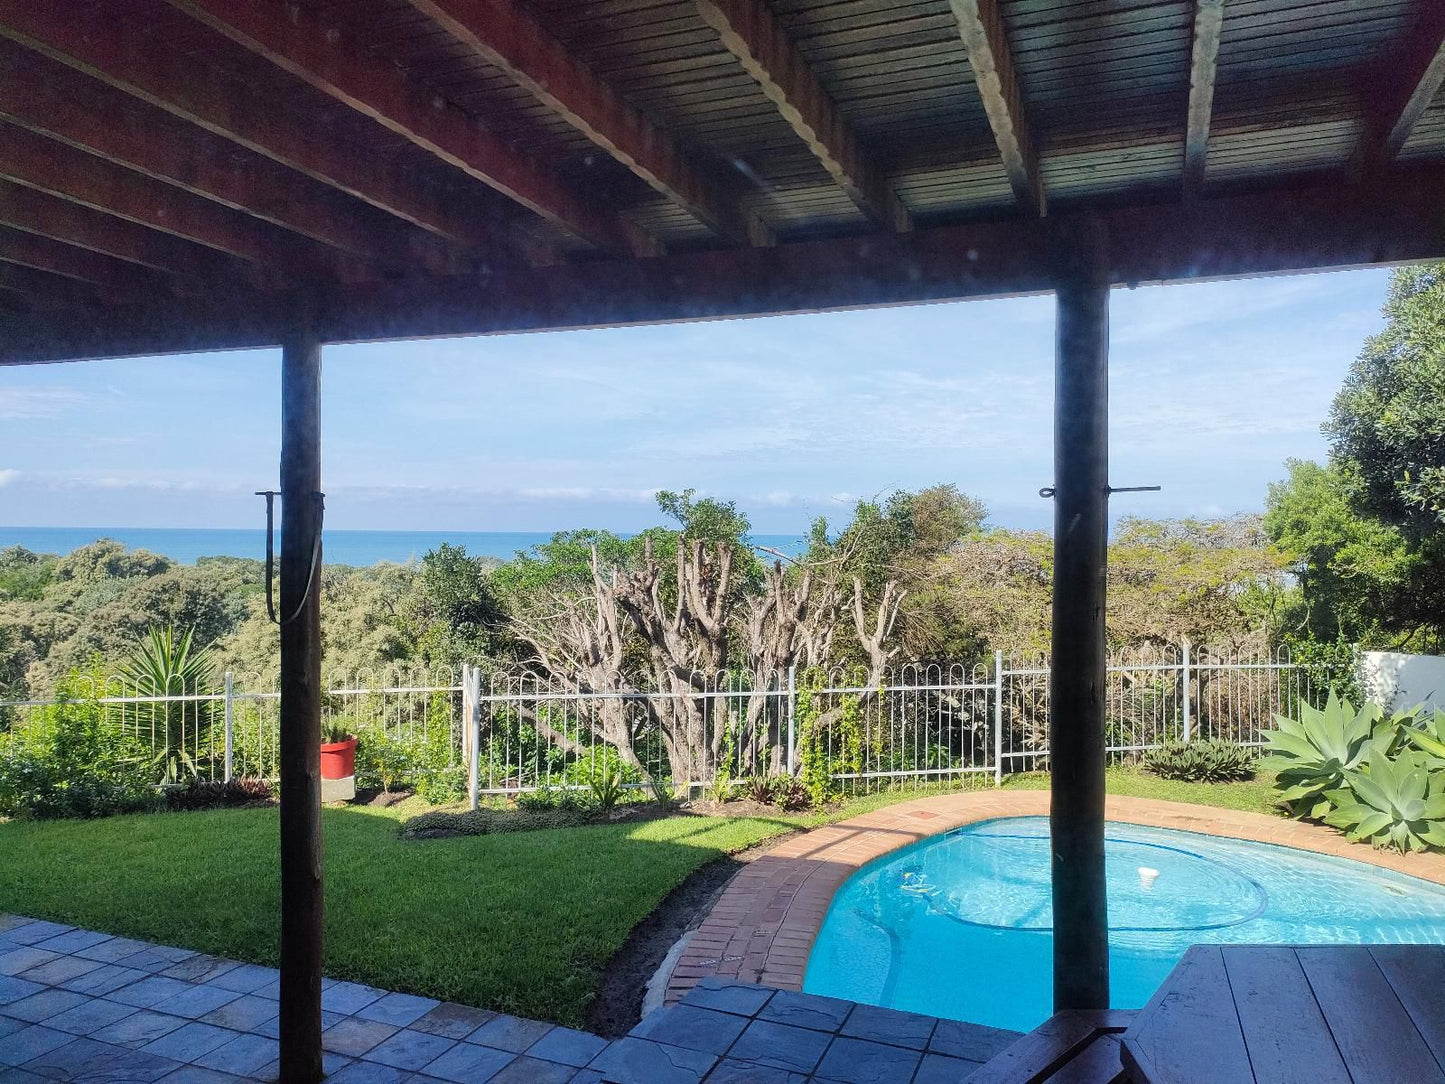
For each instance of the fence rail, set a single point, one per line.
(505, 733)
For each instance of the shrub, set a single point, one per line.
(198, 794)
(790, 794)
(757, 788)
(607, 786)
(166, 665)
(72, 760)
(383, 760)
(664, 793)
(1213, 761)
(1312, 753)
(1397, 802)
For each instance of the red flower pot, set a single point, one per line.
(338, 759)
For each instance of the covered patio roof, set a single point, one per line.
(191, 174)
(181, 175)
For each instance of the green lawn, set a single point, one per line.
(522, 922)
(1256, 796)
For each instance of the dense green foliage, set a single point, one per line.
(1377, 777)
(1212, 761)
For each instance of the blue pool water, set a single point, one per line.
(960, 925)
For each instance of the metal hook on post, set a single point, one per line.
(271, 495)
(1047, 492)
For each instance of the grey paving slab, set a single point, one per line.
(743, 998)
(196, 1074)
(245, 979)
(8, 1025)
(199, 968)
(974, 1042)
(510, 1033)
(354, 1037)
(155, 958)
(889, 1026)
(88, 1060)
(20, 1076)
(243, 1055)
(398, 1009)
(467, 1063)
(30, 1042)
(196, 1001)
(529, 1070)
(113, 949)
(245, 1012)
(729, 1071)
(642, 1061)
(39, 1007)
(189, 1041)
(860, 1061)
(9, 921)
(271, 1026)
(781, 1045)
(24, 958)
(409, 1049)
(35, 931)
(368, 1072)
(148, 991)
(806, 1010)
(90, 1016)
(74, 940)
(348, 997)
(56, 971)
(453, 1021)
(13, 989)
(103, 980)
(695, 1028)
(139, 1028)
(941, 1069)
(567, 1046)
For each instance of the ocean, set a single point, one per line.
(358, 548)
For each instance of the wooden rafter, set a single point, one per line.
(39, 289)
(1285, 230)
(116, 55)
(338, 67)
(41, 163)
(49, 216)
(1402, 88)
(47, 98)
(511, 39)
(753, 34)
(1203, 62)
(82, 265)
(980, 26)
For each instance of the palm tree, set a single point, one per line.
(163, 665)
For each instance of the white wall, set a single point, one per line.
(1396, 680)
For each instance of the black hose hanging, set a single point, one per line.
(271, 495)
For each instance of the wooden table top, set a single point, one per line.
(1277, 1014)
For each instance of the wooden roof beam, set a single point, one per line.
(1203, 63)
(509, 38)
(42, 254)
(195, 268)
(753, 34)
(44, 164)
(113, 53)
(338, 67)
(46, 98)
(1399, 91)
(980, 26)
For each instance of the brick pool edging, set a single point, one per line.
(763, 926)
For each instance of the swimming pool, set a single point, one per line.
(960, 925)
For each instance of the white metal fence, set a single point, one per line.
(505, 733)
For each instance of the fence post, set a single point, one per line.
(792, 719)
(1187, 691)
(997, 719)
(473, 681)
(228, 727)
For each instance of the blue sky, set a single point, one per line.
(1212, 387)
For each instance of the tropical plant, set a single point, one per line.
(164, 665)
(1428, 733)
(1312, 753)
(664, 793)
(335, 731)
(607, 786)
(790, 794)
(757, 788)
(1214, 761)
(1397, 802)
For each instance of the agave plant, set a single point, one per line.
(164, 665)
(1396, 802)
(1428, 733)
(1313, 753)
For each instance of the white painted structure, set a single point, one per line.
(1396, 680)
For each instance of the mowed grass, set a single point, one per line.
(519, 922)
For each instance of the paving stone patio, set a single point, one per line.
(81, 1006)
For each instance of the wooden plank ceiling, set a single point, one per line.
(279, 158)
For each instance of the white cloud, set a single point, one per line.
(8, 475)
(25, 404)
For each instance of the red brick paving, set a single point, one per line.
(763, 926)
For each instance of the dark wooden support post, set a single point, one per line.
(1076, 681)
(300, 614)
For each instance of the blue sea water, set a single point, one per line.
(961, 925)
(358, 548)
